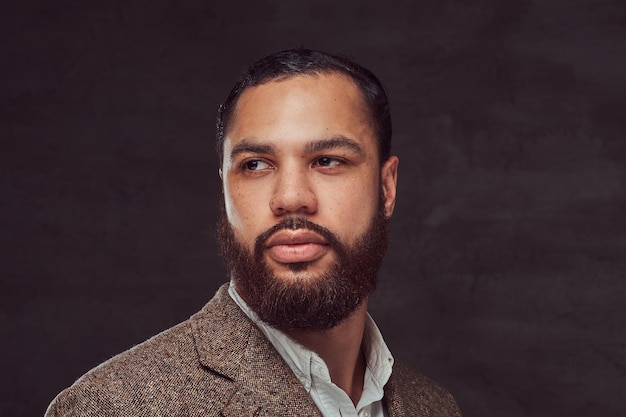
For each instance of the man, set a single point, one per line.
(308, 186)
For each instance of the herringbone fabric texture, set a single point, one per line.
(218, 363)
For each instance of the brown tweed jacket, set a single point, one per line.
(218, 363)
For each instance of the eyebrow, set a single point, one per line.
(334, 143)
(246, 146)
(313, 146)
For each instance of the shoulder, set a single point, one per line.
(411, 393)
(156, 377)
(138, 380)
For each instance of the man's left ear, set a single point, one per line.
(389, 180)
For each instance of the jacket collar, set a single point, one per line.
(229, 344)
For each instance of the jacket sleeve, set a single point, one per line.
(81, 401)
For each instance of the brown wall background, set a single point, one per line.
(506, 276)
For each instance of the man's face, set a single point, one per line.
(304, 188)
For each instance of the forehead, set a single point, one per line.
(301, 106)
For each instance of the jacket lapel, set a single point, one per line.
(392, 399)
(410, 394)
(230, 344)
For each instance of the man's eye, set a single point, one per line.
(255, 165)
(327, 161)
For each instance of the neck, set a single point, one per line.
(340, 348)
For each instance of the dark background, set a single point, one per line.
(506, 276)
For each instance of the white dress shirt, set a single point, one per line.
(313, 373)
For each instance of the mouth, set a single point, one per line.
(296, 246)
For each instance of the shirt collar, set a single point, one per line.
(299, 358)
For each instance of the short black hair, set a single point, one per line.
(300, 61)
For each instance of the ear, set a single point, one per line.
(389, 180)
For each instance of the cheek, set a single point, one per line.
(350, 207)
(237, 209)
(235, 203)
(363, 191)
(244, 211)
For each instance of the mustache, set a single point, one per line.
(295, 223)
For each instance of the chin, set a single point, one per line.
(298, 273)
(303, 270)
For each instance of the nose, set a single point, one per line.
(293, 194)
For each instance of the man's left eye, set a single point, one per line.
(327, 161)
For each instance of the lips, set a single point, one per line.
(292, 246)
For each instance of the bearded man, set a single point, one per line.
(309, 184)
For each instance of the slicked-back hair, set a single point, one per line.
(300, 61)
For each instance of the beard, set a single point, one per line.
(306, 303)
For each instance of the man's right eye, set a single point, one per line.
(255, 165)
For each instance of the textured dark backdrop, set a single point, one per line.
(506, 277)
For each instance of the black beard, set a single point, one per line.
(311, 303)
